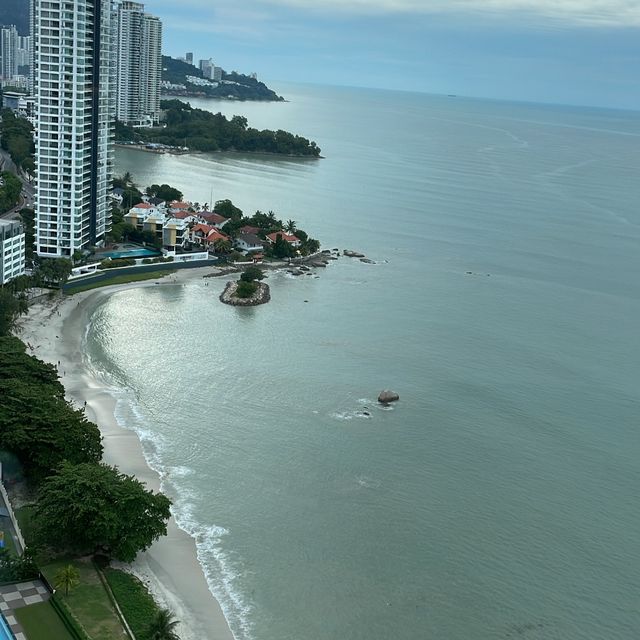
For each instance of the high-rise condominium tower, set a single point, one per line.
(73, 78)
(139, 60)
(8, 52)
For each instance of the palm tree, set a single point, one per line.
(162, 626)
(205, 207)
(222, 246)
(290, 227)
(67, 578)
(127, 178)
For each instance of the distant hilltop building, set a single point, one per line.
(139, 65)
(8, 52)
(210, 71)
(73, 76)
(189, 58)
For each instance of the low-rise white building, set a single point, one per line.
(12, 250)
(249, 242)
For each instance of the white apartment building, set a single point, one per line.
(12, 250)
(73, 81)
(24, 51)
(139, 65)
(8, 52)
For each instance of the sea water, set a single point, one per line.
(498, 497)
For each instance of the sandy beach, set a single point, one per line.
(53, 331)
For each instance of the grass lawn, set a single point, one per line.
(88, 601)
(123, 279)
(25, 517)
(136, 603)
(41, 622)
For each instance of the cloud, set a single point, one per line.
(574, 12)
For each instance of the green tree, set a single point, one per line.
(246, 289)
(221, 245)
(93, 507)
(290, 226)
(55, 270)
(227, 209)
(281, 248)
(9, 311)
(67, 578)
(162, 626)
(10, 189)
(164, 192)
(252, 273)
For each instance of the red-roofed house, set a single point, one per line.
(249, 229)
(176, 207)
(199, 232)
(214, 219)
(294, 241)
(185, 215)
(214, 236)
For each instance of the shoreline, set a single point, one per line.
(53, 331)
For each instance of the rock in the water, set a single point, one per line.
(367, 260)
(353, 254)
(388, 396)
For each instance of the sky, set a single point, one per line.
(579, 52)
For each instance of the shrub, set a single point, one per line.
(246, 289)
(117, 262)
(252, 273)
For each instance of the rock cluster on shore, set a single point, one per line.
(261, 296)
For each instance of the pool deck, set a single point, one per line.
(16, 596)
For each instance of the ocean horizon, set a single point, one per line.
(496, 499)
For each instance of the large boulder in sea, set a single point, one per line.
(387, 396)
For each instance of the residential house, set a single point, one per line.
(199, 232)
(249, 242)
(294, 241)
(154, 223)
(214, 219)
(159, 203)
(179, 207)
(175, 233)
(249, 229)
(138, 214)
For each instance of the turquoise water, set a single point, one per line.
(498, 498)
(131, 253)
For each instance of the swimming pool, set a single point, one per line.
(132, 253)
(5, 630)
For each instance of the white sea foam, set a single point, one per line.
(217, 564)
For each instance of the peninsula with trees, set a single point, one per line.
(187, 128)
(179, 78)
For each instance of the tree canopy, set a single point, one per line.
(205, 131)
(94, 507)
(37, 423)
(16, 136)
(252, 273)
(10, 188)
(164, 192)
